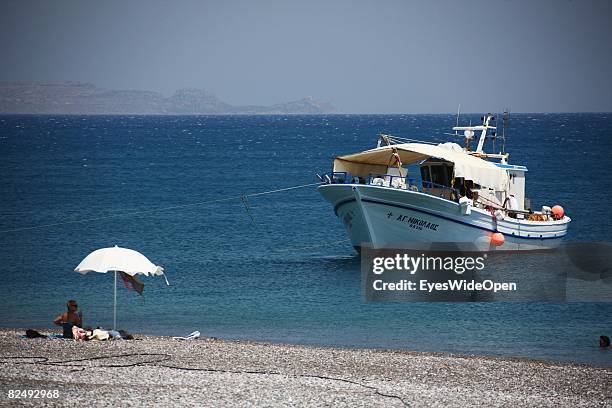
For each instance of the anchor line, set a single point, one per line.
(241, 197)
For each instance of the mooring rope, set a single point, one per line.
(345, 240)
(241, 197)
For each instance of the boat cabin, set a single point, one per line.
(444, 170)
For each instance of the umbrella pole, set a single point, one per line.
(115, 304)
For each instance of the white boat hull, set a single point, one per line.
(383, 217)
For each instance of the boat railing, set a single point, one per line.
(395, 182)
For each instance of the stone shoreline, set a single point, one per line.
(208, 372)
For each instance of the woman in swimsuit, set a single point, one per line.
(70, 318)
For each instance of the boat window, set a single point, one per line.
(425, 175)
(439, 175)
(449, 174)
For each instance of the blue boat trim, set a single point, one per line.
(408, 207)
(511, 166)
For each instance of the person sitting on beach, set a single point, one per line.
(70, 318)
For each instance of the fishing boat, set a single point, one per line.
(413, 194)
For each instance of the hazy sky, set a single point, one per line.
(362, 56)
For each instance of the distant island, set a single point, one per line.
(83, 98)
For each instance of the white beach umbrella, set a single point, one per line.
(118, 259)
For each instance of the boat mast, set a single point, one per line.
(457, 121)
(505, 122)
(485, 126)
(468, 132)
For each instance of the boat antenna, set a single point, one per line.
(506, 125)
(493, 135)
(457, 121)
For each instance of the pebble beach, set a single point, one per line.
(210, 372)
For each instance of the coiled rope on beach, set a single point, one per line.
(162, 357)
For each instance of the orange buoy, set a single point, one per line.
(497, 239)
(557, 212)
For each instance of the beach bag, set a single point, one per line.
(33, 334)
(125, 335)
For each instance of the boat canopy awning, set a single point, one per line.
(480, 171)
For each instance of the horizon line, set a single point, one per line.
(300, 114)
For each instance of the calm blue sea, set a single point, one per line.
(288, 275)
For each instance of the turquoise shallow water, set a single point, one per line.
(289, 275)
